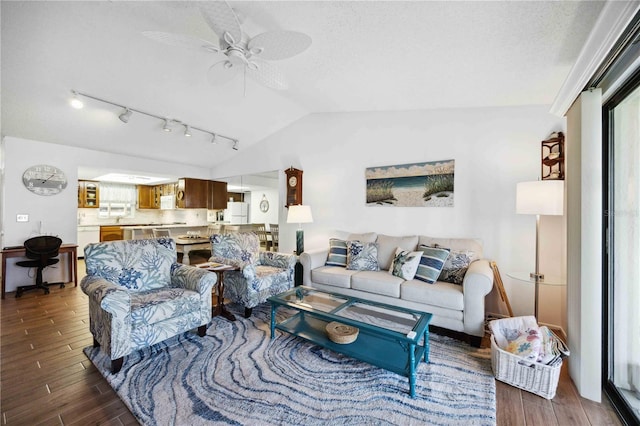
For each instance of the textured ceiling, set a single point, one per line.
(365, 55)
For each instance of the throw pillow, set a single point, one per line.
(362, 256)
(337, 253)
(405, 263)
(456, 266)
(431, 263)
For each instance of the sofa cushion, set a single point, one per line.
(387, 246)
(456, 266)
(331, 275)
(405, 263)
(445, 295)
(152, 306)
(378, 282)
(431, 263)
(367, 237)
(362, 256)
(337, 253)
(454, 244)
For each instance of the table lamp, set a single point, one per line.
(543, 197)
(299, 214)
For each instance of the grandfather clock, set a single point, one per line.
(294, 186)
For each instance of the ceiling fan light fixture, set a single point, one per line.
(187, 130)
(76, 102)
(125, 115)
(166, 127)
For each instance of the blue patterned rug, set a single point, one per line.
(237, 375)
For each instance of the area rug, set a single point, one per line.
(237, 375)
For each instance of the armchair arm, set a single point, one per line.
(192, 278)
(478, 282)
(111, 297)
(311, 260)
(278, 260)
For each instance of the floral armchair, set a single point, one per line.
(139, 295)
(262, 274)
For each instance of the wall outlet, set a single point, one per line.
(22, 218)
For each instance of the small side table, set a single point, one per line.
(547, 280)
(219, 308)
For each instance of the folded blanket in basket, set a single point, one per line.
(522, 337)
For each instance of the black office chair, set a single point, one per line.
(43, 250)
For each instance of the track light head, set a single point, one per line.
(166, 126)
(187, 130)
(75, 101)
(213, 139)
(124, 117)
(235, 144)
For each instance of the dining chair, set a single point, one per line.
(260, 229)
(231, 229)
(161, 232)
(274, 230)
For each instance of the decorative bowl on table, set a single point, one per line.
(341, 333)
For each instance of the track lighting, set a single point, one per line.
(124, 117)
(127, 112)
(75, 101)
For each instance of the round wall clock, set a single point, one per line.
(264, 205)
(44, 179)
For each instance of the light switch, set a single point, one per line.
(22, 218)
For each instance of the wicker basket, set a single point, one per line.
(534, 377)
(341, 333)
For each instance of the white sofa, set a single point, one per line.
(454, 307)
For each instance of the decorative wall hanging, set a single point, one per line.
(553, 157)
(427, 184)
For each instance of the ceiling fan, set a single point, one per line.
(238, 52)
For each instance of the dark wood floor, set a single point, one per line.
(46, 379)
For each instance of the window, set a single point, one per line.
(117, 200)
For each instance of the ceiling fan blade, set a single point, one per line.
(181, 40)
(268, 75)
(221, 18)
(278, 45)
(222, 72)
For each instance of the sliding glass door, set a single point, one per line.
(622, 250)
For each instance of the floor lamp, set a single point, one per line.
(299, 214)
(543, 197)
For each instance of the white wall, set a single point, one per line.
(56, 215)
(494, 148)
(256, 215)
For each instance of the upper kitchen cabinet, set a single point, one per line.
(217, 195)
(88, 194)
(201, 194)
(146, 197)
(192, 193)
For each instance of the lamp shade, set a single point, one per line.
(543, 197)
(299, 214)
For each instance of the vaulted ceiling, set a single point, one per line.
(365, 55)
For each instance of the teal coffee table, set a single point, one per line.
(390, 337)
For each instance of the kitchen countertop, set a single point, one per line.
(145, 225)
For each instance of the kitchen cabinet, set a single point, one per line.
(149, 196)
(146, 197)
(217, 199)
(88, 194)
(111, 233)
(201, 194)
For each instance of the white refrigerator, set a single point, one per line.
(236, 213)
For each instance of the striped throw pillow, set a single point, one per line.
(431, 263)
(337, 253)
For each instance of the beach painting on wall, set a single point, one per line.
(427, 184)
